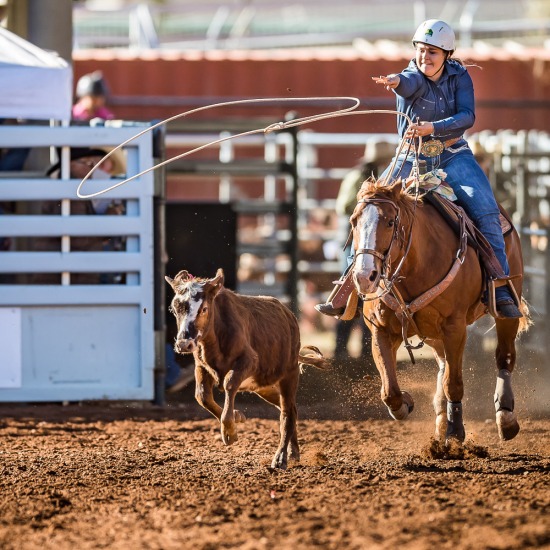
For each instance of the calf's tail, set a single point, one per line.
(312, 357)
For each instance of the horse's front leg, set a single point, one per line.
(440, 399)
(454, 341)
(507, 422)
(384, 351)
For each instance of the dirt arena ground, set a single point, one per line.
(138, 476)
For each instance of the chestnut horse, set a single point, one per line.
(416, 276)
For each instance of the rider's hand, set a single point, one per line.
(389, 82)
(421, 129)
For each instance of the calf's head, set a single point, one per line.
(192, 306)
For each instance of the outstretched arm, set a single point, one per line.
(389, 82)
(420, 129)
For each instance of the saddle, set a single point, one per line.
(437, 193)
(492, 270)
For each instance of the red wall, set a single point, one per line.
(506, 85)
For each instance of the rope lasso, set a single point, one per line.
(268, 129)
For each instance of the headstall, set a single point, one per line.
(385, 257)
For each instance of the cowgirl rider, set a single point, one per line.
(436, 90)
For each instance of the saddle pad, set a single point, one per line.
(505, 222)
(447, 212)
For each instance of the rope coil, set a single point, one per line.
(277, 126)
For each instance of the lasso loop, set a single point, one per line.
(277, 126)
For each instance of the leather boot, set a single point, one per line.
(509, 310)
(328, 309)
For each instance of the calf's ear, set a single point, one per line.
(169, 281)
(217, 282)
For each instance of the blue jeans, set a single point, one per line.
(474, 194)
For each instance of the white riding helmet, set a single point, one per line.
(435, 33)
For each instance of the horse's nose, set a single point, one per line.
(366, 280)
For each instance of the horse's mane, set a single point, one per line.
(373, 188)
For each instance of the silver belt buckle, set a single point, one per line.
(432, 148)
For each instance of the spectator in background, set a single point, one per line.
(345, 204)
(91, 98)
(83, 159)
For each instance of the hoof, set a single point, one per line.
(406, 408)
(238, 416)
(507, 424)
(440, 426)
(229, 437)
(293, 452)
(454, 439)
(279, 462)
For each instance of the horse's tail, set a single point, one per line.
(312, 357)
(525, 322)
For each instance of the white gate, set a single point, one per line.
(64, 341)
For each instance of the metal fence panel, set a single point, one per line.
(64, 341)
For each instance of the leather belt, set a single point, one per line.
(452, 141)
(434, 147)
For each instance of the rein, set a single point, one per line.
(388, 291)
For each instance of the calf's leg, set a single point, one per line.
(242, 369)
(289, 414)
(272, 395)
(205, 398)
(204, 394)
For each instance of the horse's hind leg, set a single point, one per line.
(505, 355)
(440, 400)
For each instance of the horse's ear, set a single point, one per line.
(396, 189)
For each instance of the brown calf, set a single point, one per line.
(241, 343)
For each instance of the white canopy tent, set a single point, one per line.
(36, 84)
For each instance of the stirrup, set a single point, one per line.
(492, 284)
(351, 307)
(341, 291)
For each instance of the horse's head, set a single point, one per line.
(375, 226)
(192, 305)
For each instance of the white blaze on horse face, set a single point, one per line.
(365, 263)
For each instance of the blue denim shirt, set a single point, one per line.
(448, 103)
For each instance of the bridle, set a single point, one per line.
(386, 277)
(387, 291)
